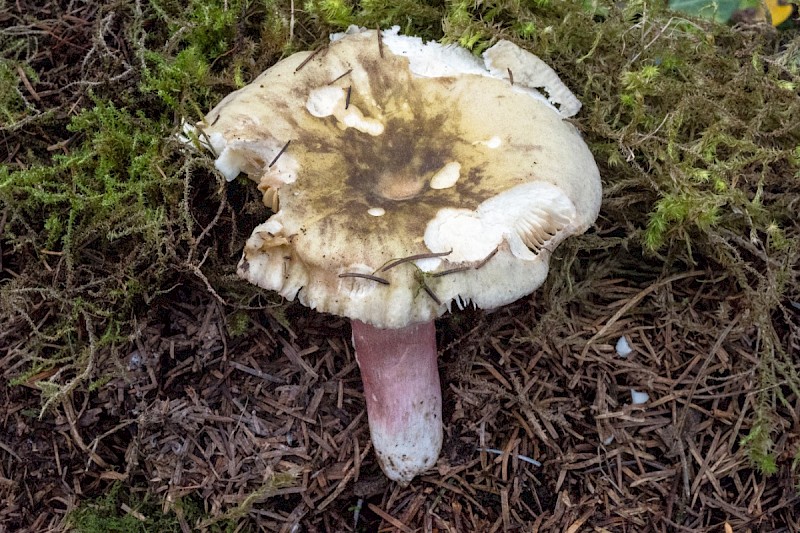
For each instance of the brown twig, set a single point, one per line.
(337, 78)
(309, 58)
(430, 293)
(364, 276)
(410, 258)
(465, 268)
(285, 146)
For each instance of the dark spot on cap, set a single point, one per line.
(392, 170)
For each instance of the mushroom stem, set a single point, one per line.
(403, 395)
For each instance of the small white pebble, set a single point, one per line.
(134, 360)
(623, 348)
(376, 211)
(638, 398)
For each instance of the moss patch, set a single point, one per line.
(124, 511)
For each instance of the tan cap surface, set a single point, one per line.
(385, 163)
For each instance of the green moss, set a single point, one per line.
(334, 12)
(238, 324)
(275, 481)
(796, 467)
(106, 189)
(203, 38)
(13, 106)
(180, 78)
(209, 26)
(414, 17)
(92, 212)
(212, 25)
(758, 444)
(104, 514)
(122, 510)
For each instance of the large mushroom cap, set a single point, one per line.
(401, 149)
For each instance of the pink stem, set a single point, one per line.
(404, 398)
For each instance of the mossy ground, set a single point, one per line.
(106, 220)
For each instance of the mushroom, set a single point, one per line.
(405, 178)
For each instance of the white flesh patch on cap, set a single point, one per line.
(327, 101)
(241, 155)
(427, 60)
(376, 211)
(323, 102)
(228, 161)
(531, 73)
(527, 217)
(428, 264)
(447, 176)
(253, 157)
(435, 60)
(431, 59)
(494, 142)
(188, 133)
(464, 232)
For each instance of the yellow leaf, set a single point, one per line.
(780, 11)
